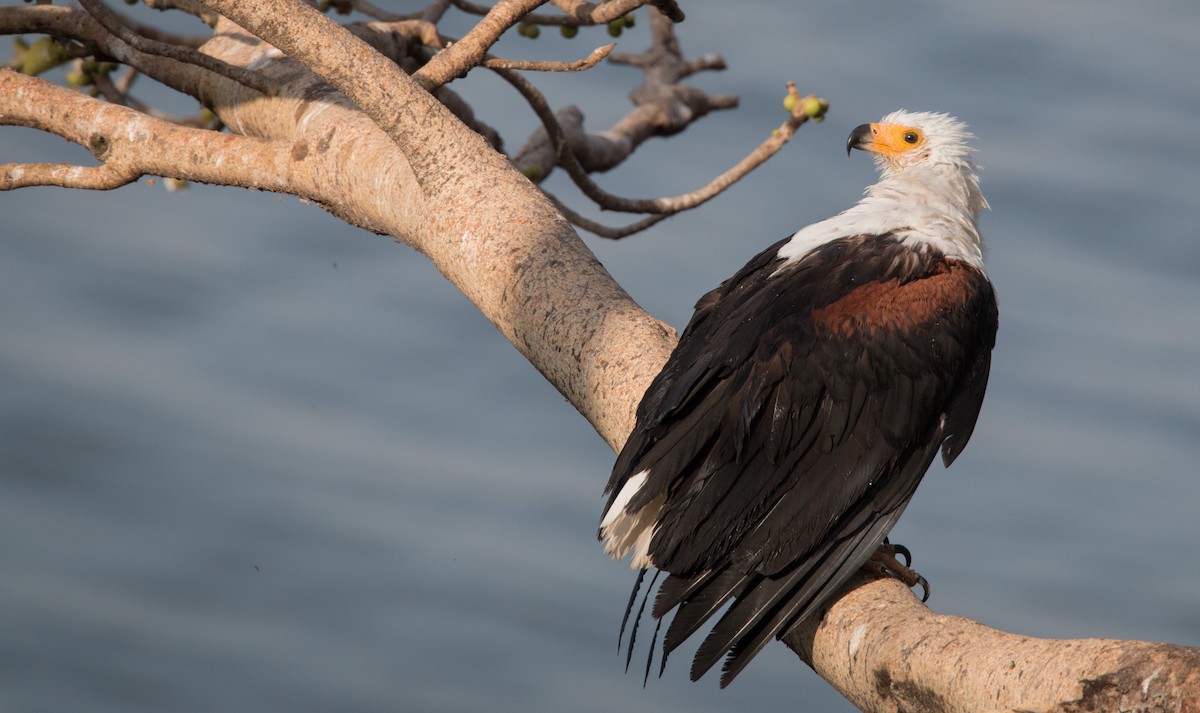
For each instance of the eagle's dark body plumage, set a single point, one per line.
(790, 427)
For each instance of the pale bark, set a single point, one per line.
(446, 193)
(393, 160)
(887, 652)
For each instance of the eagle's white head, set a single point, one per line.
(928, 190)
(922, 148)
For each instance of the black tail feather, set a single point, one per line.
(650, 656)
(750, 609)
(707, 600)
(637, 583)
(764, 607)
(799, 598)
(637, 620)
(800, 604)
(675, 589)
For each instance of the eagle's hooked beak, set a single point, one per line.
(861, 138)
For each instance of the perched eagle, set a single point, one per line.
(806, 399)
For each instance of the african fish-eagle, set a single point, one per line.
(805, 400)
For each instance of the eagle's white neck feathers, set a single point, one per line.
(929, 195)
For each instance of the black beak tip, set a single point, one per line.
(858, 137)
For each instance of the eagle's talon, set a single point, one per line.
(885, 564)
(924, 588)
(902, 551)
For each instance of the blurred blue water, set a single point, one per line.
(253, 459)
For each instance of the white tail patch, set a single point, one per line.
(624, 531)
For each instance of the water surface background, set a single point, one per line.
(253, 459)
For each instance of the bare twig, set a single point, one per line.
(158, 34)
(118, 27)
(605, 231)
(669, 205)
(578, 65)
(421, 31)
(578, 12)
(469, 52)
(126, 82)
(118, 93)
(683, 69)
(664, 106)
(94, 39)
(191, 7)
(372, 10)
(436, 9)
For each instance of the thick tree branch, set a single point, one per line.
(446, 193)
(886, 652)
(130, 144)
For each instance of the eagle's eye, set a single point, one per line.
(911, 137)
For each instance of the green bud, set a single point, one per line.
(43, 55)
(534, 172)
(616, 26)
(77, 78)
(812, 107)
(20, 49)
(569, 31)
(628, 20)
(789, 102)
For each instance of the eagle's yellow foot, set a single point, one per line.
(885, 564)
